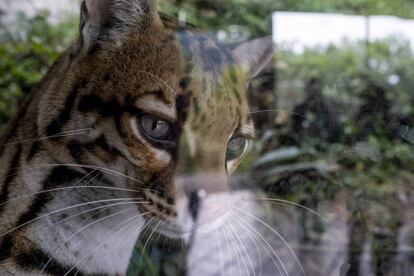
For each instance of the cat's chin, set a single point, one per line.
(177, 231)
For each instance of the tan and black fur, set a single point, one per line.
(75, 157)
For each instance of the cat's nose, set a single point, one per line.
(206, 197)
(195, 203)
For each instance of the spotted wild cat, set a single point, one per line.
(133, 125)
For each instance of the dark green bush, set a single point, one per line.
(27, 49)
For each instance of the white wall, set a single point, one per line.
(301, 30)
(58, 8)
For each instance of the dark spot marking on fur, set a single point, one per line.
(8, 135)
(6, 247)
(76, 151)
(63, 117)
(157, 186)
(119, 126)
(34, 148)
(185, 82)
(10, 176)
(182, 103)
(160, 207)
(89, 147)
(13, 125)
(58, 176)
(170, 201)
(103, 144)
(91, 103)
(112, 108)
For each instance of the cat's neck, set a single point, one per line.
(60, 226)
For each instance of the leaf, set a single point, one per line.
(279, 155)
(322, 167)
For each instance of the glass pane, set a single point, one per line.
(286, 147)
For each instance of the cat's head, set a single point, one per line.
(166, 107)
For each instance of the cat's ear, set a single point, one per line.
(112, 20)
(253, 56)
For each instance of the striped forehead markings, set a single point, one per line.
(182, 104)
(213, 56)
(185, 82)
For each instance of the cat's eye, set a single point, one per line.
(155, 127)
(235, 148)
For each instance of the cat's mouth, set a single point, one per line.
(189, 215)
(184, 227)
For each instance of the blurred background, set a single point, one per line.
(334, 111)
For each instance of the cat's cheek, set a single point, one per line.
(156, 160)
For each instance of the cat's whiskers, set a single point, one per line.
(158, 239)
(226, 238)
(68, 208)
(37, 193)
(83, 212)
(293, 204)
(158, 78)
(232, 230)
(73, 188)
(265, 245)
(59, 135)
(255, 240)
(276, 233)
(149, 237)
(80, 230)
(100, 208)
(219, 242)
(129, 221)
(93, 167)
(238, 251)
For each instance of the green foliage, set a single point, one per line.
(345, 76)
(253, 18)
(370, 94)
(27, 49)
(372, 166)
